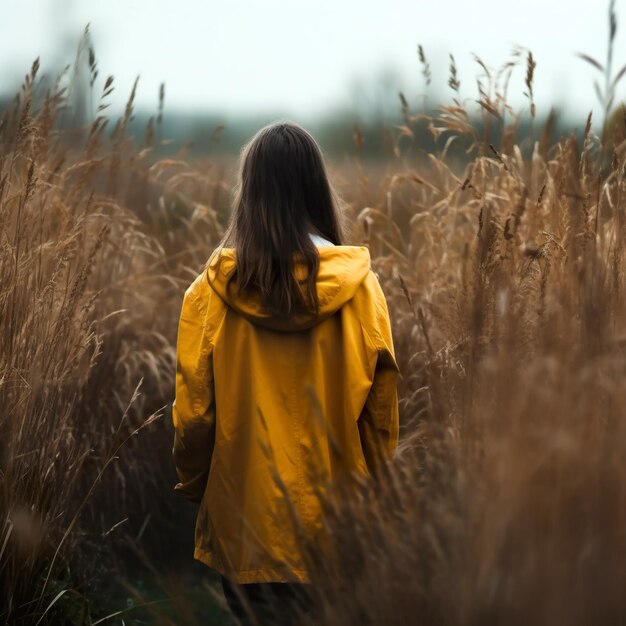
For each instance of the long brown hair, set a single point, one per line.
(281, 195)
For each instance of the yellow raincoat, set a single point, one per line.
(243, 406)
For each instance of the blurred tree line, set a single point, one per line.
(340, 132)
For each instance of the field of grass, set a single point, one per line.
(503, 265)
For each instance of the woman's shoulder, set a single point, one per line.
(201, 288)
(370, 305)
(201, 299)
(371, 287)
(198, 288)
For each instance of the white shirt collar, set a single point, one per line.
(320, 241)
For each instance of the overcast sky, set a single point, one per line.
(301, 56)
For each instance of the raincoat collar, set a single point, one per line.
(342, 270)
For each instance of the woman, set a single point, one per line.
(285, 373)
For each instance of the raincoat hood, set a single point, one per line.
(341, 271)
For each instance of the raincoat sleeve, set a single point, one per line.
(193, 409)
(379, 420)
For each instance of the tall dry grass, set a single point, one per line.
(506, 503)
(89, 290)
(504, 273)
